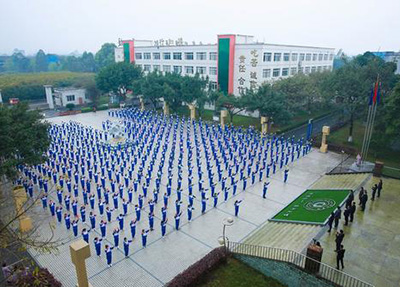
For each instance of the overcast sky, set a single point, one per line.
(64, 26)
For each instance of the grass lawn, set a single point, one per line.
(389, 157)
(239, 120)
(237, 274)
(312, 206)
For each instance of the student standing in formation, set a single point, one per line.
(108, 252)
(126, 246)
(97, 245)
(144, 237)
(164, 227)
(265, 189)
(133, 228)
(286, 174)
(237, 204)
(339, 239)
(177, 220)
(338, 215)
(346, 214)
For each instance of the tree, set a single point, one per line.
(18, 63)
(194, 91)
(89, 84)
(105, 56)
(88, 62)
(234, 105)
(151, 87)
(118, 78)
(23, 138)
(269, 103)
(41, 62)
(391, 113)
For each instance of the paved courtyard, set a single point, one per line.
(167, 256)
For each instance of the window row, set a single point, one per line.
(278, 72)
(178, 69)
(176, 56)
(286, 57)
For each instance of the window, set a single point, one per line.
(71, 98)
(301, 70)
(201, 56)
(276, 73)
(139, 65)
(189, 70)
(167, 56)
(314, 57)
(267, 57)
(286, 57)
(266, 73)
(325, 57)
(156, 56)
(294, 57)
(330, 57)
(301, 57)
(201, 70)
(147, 68)
(213, 86)
(319, 68)
(307, 70)
(147, 56)
(178, 69)
(293, 71)
(177, 56)
(138, 56)
(156, 67)
(166, 69)
(212, 70)
(213, 56)
(277, 57)
(189, 56)
(313, 69)
(308, 57)
(285, 72)
(320, 57)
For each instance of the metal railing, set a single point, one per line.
(307, 264)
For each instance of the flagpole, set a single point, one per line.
(371, 129)
(365, 133)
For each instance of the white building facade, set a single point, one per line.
(65, 96)
(235, 63)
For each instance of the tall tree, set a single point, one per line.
(105, 56)
(23, 138)
(88, 62)
(118, 78)
(41, 61)
(268, 102)
(234, 105)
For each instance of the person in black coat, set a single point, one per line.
(360, 195)
(380, 186)
(352, 211)
(346, 214)
(374, 189)
(364, 200)
(350, 199)
(340, 255)
(338, 215)
(330, 221)
(339, 238)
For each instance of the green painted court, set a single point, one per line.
(313, 206)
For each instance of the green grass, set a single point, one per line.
(388, 157)
(237, 274)
(297, 210)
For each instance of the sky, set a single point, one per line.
(65, 26)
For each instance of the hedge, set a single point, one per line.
(87, 110)
(194, 273)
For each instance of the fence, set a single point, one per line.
(321, 270)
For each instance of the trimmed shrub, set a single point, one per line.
(195, 272)
(87, 110)
(102, 107)
(70, 106)
(39, 277)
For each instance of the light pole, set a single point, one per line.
(226, 222)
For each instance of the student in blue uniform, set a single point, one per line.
(75, 227)
(44, 201)
(116, 237)
(59, 213)
(203, 205)
(237, 204)
(97, 245)
(133, 228)
(120, 219)
(265, 189)
(85, 234)
(177, 220)
(83, 213)
(103, 226)
(109, 213)
(67, 220)
(137, 210)
(108, 252)
(151, 221)
(163, 227)
(144, 237)
(285, 177)
(92, 218)
(126, 246)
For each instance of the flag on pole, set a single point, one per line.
(376, 91)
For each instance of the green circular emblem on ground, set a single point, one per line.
(319, 204)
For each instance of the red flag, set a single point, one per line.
(375, 92)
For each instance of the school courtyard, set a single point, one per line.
(370, 243)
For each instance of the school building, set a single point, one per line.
(235, 63)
